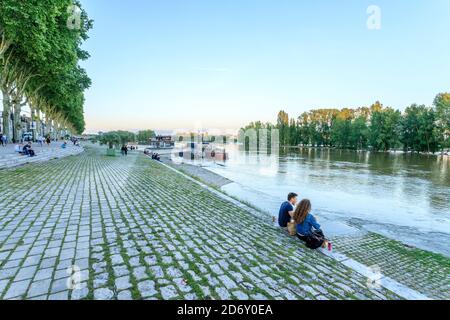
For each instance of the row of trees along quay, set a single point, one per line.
(418, 129)
(40, 52)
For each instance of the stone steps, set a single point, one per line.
(15, 160)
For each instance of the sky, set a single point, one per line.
(219, 64)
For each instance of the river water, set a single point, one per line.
(402, 196)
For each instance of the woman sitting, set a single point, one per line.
(308, 230)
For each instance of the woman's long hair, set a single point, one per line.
(302, 210)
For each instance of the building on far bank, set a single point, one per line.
(162, 142)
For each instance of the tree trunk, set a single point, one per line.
(17, 123)
(57, 131)
(38, 124)
(47, 126)
(6, 113)
(33, 116)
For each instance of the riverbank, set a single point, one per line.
(445, 153)
(421, 270)
(139, 230)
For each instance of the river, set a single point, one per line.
(402, 196)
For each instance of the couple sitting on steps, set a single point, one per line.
(306, 227)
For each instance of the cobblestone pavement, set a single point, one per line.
(134, 229)
(423, 271)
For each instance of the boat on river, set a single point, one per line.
(205, 150)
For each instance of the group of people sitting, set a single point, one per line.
(156, 156)
(26, 150)
(298, 216)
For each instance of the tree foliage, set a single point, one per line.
(111, 139)
(117, 138)
(144, 136)
(39, 58)
(442, 105)
(379, 128)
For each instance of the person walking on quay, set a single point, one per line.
(124, 150)
(1, 140)
(48, 141)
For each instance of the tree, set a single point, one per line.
(39, 57)
(418, 129)
(283, 127)
(384, 129)
(303, 129)
(442, 105)
(293, 133)
(143, 137)
(126, 137)
(359, 133)
(340, 133)
(111, 139)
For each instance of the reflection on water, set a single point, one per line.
(398, 189)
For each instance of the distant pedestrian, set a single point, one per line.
(1, 140)
(124, 150)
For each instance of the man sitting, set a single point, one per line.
(287, 210)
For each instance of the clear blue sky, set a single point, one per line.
(168, 64)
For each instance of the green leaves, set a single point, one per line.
(145, 136)
(117, 138)
(442, 104)
(42, 46)
(419, 128)
(384, 129)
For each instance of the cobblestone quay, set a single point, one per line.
(96, 227)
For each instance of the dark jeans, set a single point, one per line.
(314, 240)
(29, 152)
